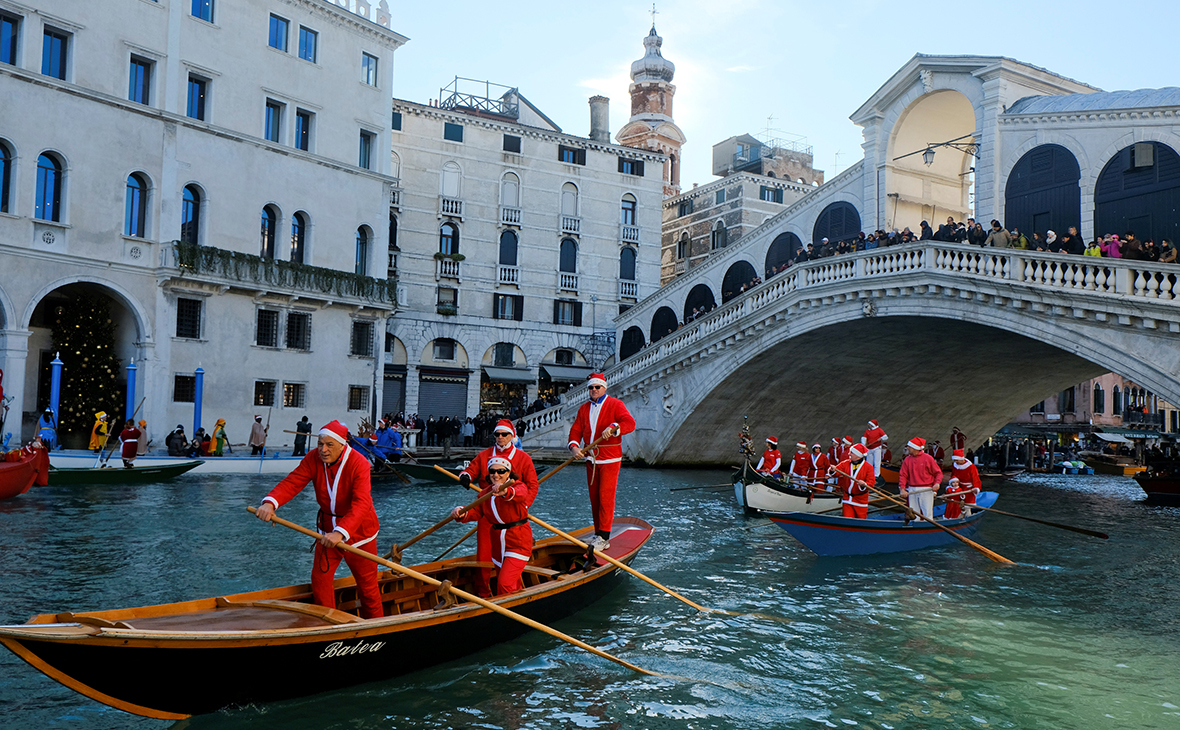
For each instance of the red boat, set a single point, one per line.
(31, 467)
(1161, 482)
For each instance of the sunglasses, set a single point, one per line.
(497, 471)
(504, 433)
(597, 387)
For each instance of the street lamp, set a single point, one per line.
(928, 156)
(971, 148)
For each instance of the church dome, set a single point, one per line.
(653, 66)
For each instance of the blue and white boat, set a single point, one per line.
(828, 535)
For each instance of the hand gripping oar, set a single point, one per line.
(989, 553)
(571, 539)
(1084, 531)
(467, 597)
(395, 552)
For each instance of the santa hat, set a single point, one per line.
(499, 461)
(847, 440)
(816, 446)
(872, 424)
(801, 445)
(504, 425)
(858, 451)
(596, 379)
(958, 454)
(335, 430)
(257, 417)
(917, 443)
(835, 440)
(953, 480)
(772, 441)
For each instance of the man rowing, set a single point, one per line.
(874, 439)
(854, 477)
(505, 519)
(606, 418)
(771, 460)
(340, 477)
(920, 477)
(800, 465)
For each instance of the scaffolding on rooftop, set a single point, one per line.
(483, 96)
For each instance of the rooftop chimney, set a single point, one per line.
(600, 119)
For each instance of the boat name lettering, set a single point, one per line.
(337, 648)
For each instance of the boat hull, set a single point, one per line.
(1118, 470)
(144, 474)
(171, 671)
(828, 535)
(765, 495)
(17, 476)
(1161, 483)
(271, 464)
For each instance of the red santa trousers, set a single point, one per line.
(603, 480)
(323, 574)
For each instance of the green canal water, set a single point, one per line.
(1082, 633)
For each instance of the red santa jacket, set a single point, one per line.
(954, 501)
(515, 541)
(817, 467)
(872, 437)
(771, 461)
(522, 466)
(800, 465)
(968, 477)
(593, 419)
(853, 492)
(341, 490)
(130, 440)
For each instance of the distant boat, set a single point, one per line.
(828, 535)
(275, 462)
(144, 474)
(1161, 482)
(763, 493)
(17, 476)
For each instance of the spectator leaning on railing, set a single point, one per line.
(998, 237)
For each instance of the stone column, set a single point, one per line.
(14, 355)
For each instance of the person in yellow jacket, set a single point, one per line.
(98, 434)
(219, 437)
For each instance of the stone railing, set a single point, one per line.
(447, 269)
(1116, 281)
(508, 275)
(217, 264)
(450, 207)
(509, 216)
(567, 282)
(628, 234)
(543, 419)
(628, 289)
(571, 224)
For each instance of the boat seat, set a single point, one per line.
(541, 571)
(102, 623)
(331, 615)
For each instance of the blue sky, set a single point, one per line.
(738, 62)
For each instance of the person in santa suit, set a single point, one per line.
(937, 452)
(920, 477)
(874, 439)
(506, 516)
(799, 472)
(968, 476)
(958, 439)
(601, 416)
(845, 448)
(129, 443)
(854, 476)
(954, 500)
(834, 451)
(524, 473)
(817, 468)
(886, 452)
(340, 477)
(771, 460)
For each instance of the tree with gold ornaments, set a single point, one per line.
(84, 338)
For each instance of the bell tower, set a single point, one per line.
(651, 126)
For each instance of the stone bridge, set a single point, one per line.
(924, 337)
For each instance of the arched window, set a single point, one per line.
(1099, 404)
(395, 165)
(682, 246)
(782, 249)
(50, 182)
(1117, 402)
(362, 251)
(452, 180)
(448, 239)
(393, 233)
(569, 199)
(298, 236)
(719, 237)
(840, 221)
(135, 210)
(627, 211)
(190, 215)
(631, 343)
(627, 264)
(510, 191)
(6, 160)
(270, 230)
(508, 248)
(569, 256)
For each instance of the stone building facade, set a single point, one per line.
(211, 171)
(651, 125)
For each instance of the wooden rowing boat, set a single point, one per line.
(180, 659)
(17, 476)
(828, 535)
(1161, 482)
(149, 474)
(763, 493)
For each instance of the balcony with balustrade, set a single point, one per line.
(450, 207)
(628, 233)
(509, 216)
(446, 268)
(571, 225)
(567, 282)
(628, 289)
(508, 276)
(395, 195)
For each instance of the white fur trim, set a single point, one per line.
(332, 434)
(596, 381)
(272, 500)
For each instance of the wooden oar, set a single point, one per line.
(1084, 531)
(395, 552)
(571, 539)
(989, 553)
(466, 596)
(711, 486)
(458, 542)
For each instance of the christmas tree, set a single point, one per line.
(84, 339)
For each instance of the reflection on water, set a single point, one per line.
(1082, 633)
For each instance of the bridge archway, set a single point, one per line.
(701, 296)
(663, 323)
(782, 249)
(917, 191)
(631, 342)
(1043, 191)
(839, 221)
(739, 274)
(1139, 190)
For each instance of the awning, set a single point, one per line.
(1132, 433)
(1113, 438)
(567, 373)
(508, 375)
